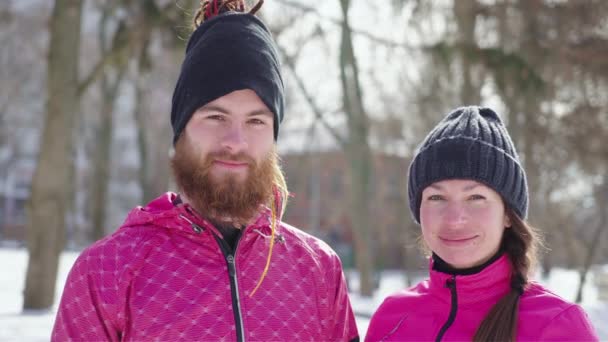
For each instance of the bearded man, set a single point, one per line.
(214, 262)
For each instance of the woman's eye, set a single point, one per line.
(435, 198)
(476, 197)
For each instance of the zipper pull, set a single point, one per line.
(451, 282)
(231, 265)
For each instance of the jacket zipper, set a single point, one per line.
(229, 254)
(451, 284)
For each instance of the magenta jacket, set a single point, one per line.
(165, 275)
(435, 307)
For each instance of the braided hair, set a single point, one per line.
(521, 243)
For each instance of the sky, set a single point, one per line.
(16, 325)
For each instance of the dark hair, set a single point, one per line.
(211, 8)
(521, 242)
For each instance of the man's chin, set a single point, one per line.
(224, 178)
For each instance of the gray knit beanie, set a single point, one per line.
(469, 143)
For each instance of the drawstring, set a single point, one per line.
(278, 238)
(274, 208)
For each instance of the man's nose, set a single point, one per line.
(234, 139)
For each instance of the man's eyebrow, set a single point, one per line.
(471, 186)
(436, 186)
(213, 108)
(264, 112)
(216, 108)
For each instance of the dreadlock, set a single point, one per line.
(212, 8)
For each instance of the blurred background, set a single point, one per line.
(85, 135)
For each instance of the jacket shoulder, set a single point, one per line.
(411, 297)
(538, 298)
(390, 317)
(312, 244)
(120, 252)
(554, 317)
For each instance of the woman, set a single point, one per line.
(468, 191)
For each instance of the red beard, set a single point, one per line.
(223, 198)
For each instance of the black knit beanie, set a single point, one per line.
(469, 143)
(229, 52)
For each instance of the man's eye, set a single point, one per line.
(257, 122)
(435, 198)
(476, 197)
(216, 117)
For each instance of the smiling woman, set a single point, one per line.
(469, 193)
(462, 221)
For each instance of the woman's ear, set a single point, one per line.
(507, 221)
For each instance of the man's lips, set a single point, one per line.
(231, 164)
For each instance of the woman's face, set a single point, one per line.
(462, 221)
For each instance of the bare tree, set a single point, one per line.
(596, 237)
(47, 205)
(110, 82)
(355, 144)
(358, 154)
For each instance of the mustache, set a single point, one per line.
(226, 155)
(207, 162)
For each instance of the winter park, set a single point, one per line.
(248, 170)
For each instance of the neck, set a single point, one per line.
(442, 266)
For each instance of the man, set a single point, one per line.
(214, 262)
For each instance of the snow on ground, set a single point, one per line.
(16, 325)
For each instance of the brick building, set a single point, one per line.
(319, 183)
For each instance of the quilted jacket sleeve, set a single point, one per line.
(344, 318)
(94, 300)
(570, 325)
(83, 314)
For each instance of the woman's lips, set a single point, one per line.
(457, 241)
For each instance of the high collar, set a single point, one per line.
(489, 284)
(168, 211)
(442, 266)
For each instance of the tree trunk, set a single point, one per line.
(49, 198)
(142, 144)
(102, 157)
(358, 154)
(465, 14)
(601, 197)
(103, 137)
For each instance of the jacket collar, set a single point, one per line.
(167, 211)
(489, 284)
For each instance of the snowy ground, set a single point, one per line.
(16, 325)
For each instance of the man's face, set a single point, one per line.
(236, 129)
(225, 159)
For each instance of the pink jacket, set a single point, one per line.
(419, 313)
(163, 277)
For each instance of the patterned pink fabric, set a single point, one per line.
(418, 313)
(158, 279)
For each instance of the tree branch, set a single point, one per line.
(373, 38)
(120, 42)
(313, 105)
